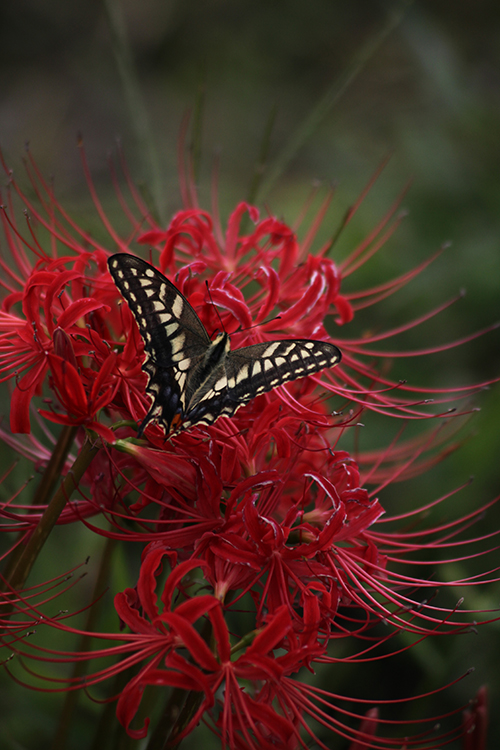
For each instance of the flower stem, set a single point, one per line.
(134, 99)
(316, 116)
(260, 166)
(177, 714)
(54, 469)
(179, 710)
(197, 128)
(64, 728)
(46, 487)
(21, 567)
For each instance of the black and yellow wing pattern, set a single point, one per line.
(192, 379)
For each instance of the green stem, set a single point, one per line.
(52, 473)
(177, 714)
(328, 101)
(134, 100)
(260, 165)
(197, 129)
(172, 713)
(20, 571)
(50, 477)
(190, 707)
(179, 710)
(109, 733)
(71, 698)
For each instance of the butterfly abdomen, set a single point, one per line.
(202, 376)
(215, 356)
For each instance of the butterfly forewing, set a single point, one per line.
(166, 320)
(191, 378)
(174, 337)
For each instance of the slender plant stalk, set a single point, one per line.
(197, 127)
(29, 552)
(178, 712)
(191, 705)
(60, 740)
(311, 123)
(108, 733)
(135, 102)
(261, 163)
(172, 713)
(50, 477)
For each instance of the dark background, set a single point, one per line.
(430, 94)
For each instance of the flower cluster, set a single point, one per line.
(262, 546)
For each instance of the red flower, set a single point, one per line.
(273, 512)
(251, 277)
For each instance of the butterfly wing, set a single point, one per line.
(175, 339)
(191, 379)
(252, 370)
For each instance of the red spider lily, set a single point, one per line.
(74, 294)
(80, 410)
(168, 637)
(300, 526)
(276, 516)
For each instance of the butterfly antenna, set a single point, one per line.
(256, 325)
(223, 328)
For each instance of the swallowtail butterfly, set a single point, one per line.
(192, 379)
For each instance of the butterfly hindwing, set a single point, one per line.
(262, 367)
(192, 379)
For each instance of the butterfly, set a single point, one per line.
(192, 379)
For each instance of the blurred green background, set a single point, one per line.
(430, 94)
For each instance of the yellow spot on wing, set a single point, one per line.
(242, 374)
(177, 306)
(271, 349)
